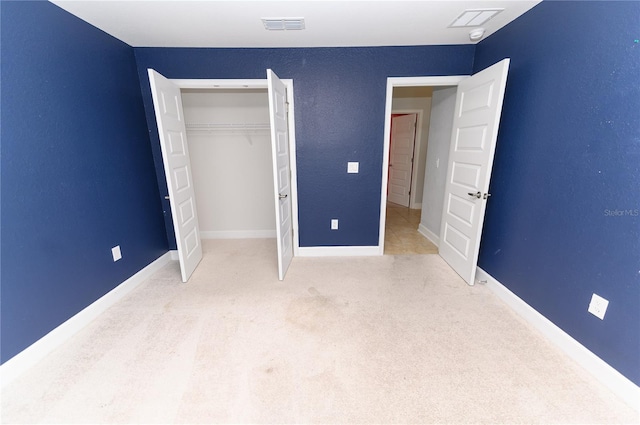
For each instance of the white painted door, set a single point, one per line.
(167, 103)
(403, 136)
(473, 141)
(281, 170)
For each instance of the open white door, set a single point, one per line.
(403, 136)
(167, 103)
(281, 170)
(473, 141)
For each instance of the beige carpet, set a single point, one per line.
(390, 339)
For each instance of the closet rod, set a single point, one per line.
(227, 126)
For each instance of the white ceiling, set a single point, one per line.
(329, 23)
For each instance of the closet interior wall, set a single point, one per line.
(230, 149)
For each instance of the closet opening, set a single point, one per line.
(228, 149)
(229, 142)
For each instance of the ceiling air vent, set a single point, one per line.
(474, 17)
(283, 24)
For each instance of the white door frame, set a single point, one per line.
(451, 80)
(260, 84)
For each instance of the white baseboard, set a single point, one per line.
(339, 251)
(422, 229)
(238, 234)
(416, 206)
(27, 358)
(597, 367)
(174, 255)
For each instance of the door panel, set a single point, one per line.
(403, 134)
(475, 131)
(281, 170)
(167, 103)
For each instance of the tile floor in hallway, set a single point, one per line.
(401, 232)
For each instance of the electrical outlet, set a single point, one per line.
(598, 306)
(353, 167)
(334, 224)
(117, 254)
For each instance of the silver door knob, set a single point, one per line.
(477, 194)
(281, 196)
(167, 197)
(486, 195)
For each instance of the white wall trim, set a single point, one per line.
(597, 367)
(339, 251)
(435, 239)
(174, 255)
(238, 234)
(450, 80)
(27, 358)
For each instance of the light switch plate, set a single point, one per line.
(334, 224)
(117, 254)
(353, 167)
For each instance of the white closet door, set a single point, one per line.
(281, 170)
(473, 142)
(167, 103)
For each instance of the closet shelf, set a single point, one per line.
(227, 127)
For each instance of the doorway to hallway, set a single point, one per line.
(474, 133)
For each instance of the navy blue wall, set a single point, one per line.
(77, 172)
(339, 111)
(564, 218)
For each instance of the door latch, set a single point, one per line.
(477, 194)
